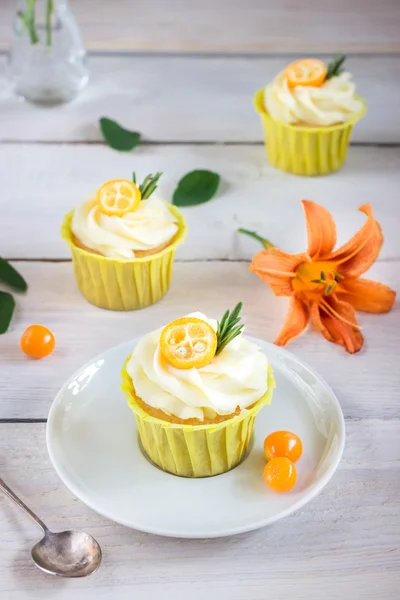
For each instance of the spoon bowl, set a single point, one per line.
(67, 554)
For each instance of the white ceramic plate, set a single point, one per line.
(93, 445)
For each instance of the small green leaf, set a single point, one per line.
(196, 187)
(117, 137)
(7, 305)
(11, 277)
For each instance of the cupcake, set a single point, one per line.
(308, 113)
(195, 387)
(123, 241)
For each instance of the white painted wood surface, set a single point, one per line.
(185, 98)
(41, 183)
(27, 387)
(232, 25)
(344, 544)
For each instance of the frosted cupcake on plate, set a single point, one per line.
(308, 112)
(195, 387)
(123, 241)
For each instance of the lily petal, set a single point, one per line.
(367, 296)
(295, 323)
(321, 229)
(362, 250)
(334, 328)
(277, 268)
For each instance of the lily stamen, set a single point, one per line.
(332, 312)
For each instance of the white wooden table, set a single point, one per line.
(195, 111)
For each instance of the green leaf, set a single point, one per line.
(335, 66)
(196, 187)
(11, 277)
(117, 137)
(7, 305)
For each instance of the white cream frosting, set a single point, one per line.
(236, 377)
(149, 226)
(333, 102)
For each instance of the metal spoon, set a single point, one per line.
(68, 553)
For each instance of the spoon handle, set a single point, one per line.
(8, 492)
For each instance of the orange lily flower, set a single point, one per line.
(325, 284)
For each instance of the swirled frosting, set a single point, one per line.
(151, 225)
(236, 377)
(331, 103)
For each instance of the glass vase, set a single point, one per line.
(47, 60)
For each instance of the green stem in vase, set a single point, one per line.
(49, 12)
(29, 21)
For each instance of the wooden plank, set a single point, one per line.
(189, 98)
(367, 384)
(40, 184)
(232, 25)
(345, 539)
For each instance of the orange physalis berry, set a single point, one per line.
(188, 343)
(37, 341)
(118, 196)
(280, 474)
(307, 71)
(283, 443)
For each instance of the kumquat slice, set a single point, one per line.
(188, 343)
(118, 196)
(308, 71)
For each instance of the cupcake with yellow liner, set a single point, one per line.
(308, 112)
(195, 387)
(123, 241)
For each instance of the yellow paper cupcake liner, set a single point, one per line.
(195, 450)
(305, 150)
(123, 285)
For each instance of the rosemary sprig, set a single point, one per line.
(228, 327)
(335, 66)
(148, 185)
